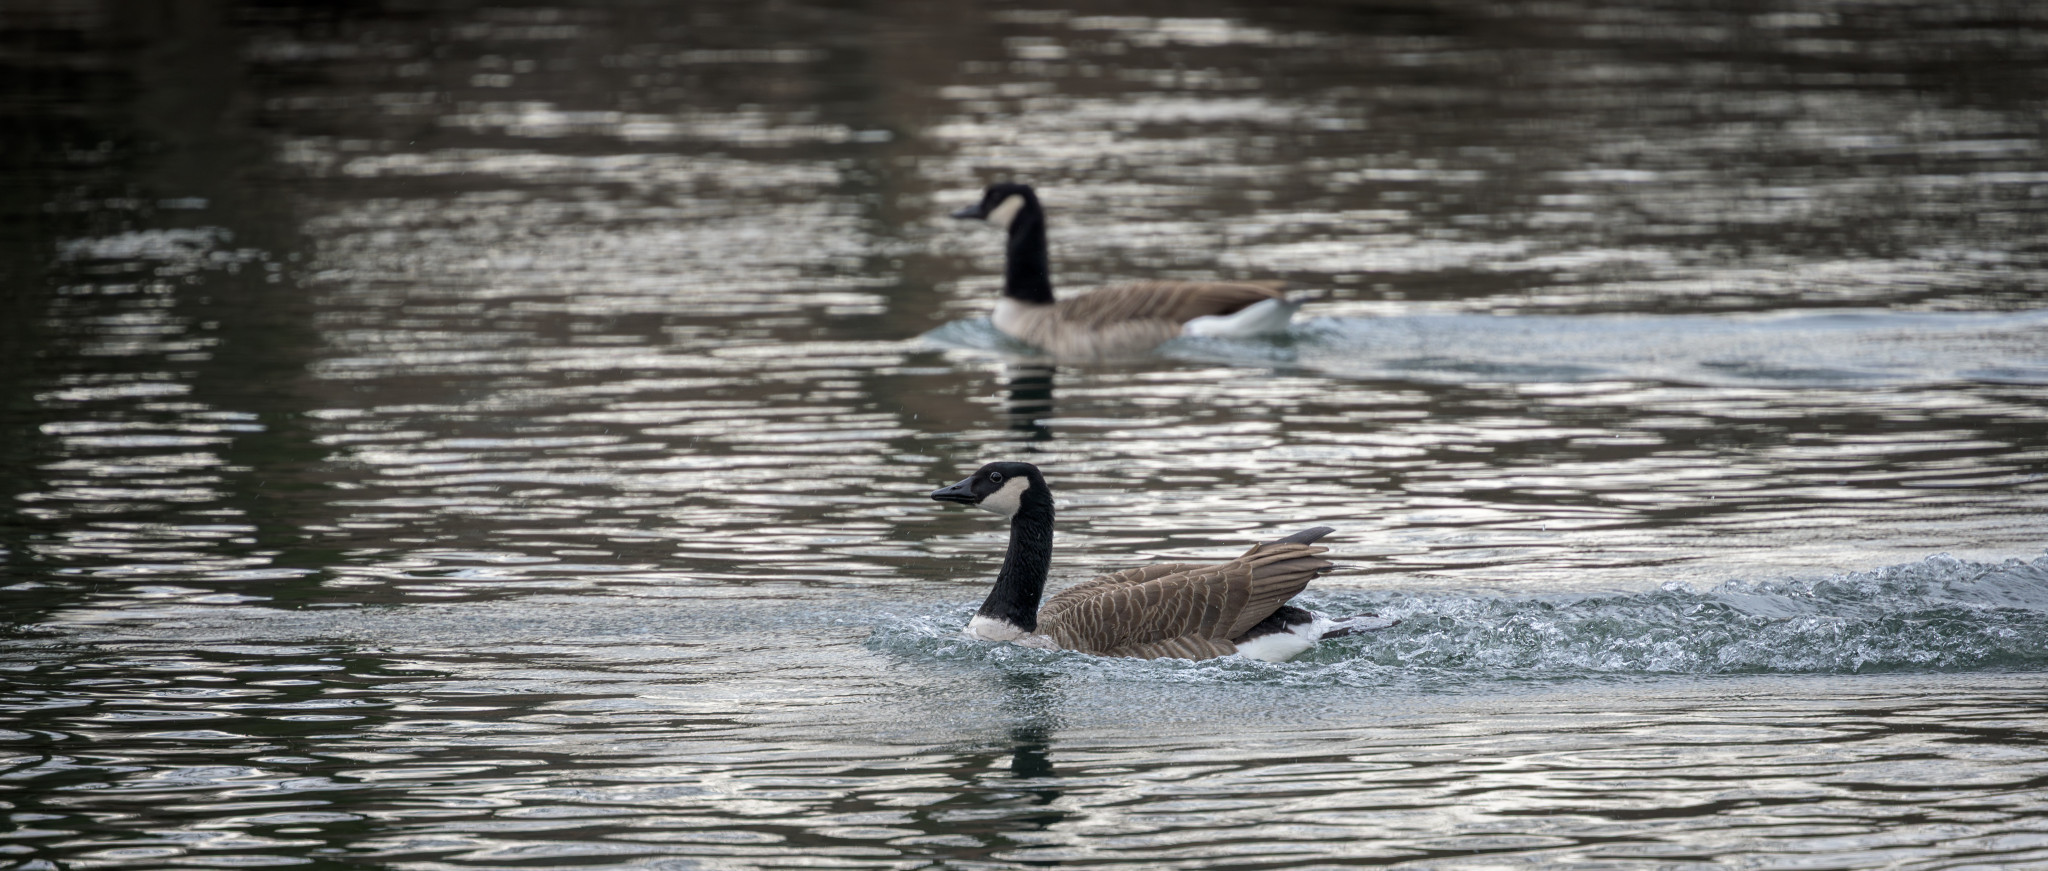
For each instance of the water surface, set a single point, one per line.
(459, 436)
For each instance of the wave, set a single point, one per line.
(1825, 347)
(1939, 615)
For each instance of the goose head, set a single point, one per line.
(1002, 488)
(1001, 203)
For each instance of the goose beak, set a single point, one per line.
(974, 212)
(960, 493)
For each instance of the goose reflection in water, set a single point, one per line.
(1027, 400)
(1014, 789)
(1030, 700)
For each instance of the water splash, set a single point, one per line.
(1940, 615)
(978, 334)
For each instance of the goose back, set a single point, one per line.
(1181, 610)
(1125, 318)
(1176, 301)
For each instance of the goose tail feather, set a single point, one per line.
(1258, 319)
(1357, 623)
(1306, 536)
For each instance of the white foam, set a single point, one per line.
(1257, 319)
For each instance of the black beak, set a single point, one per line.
(973, 211)
(961, 493)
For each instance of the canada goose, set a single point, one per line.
(1178, 610)
(1119, 319)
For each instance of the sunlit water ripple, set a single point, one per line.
(1599, 728)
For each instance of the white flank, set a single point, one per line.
(1281, 646)
(1257, 319)
(1007, 500)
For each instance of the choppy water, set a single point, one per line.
(497, 436)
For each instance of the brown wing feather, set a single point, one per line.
(1080, 592)
(1173, 301)
(1184, 647)
(1139, 610)
(1081, 617)
(1279, 572)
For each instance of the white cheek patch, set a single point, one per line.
(1003, 214)
(1007, 500)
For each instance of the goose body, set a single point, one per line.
(1174, 610)
(1119, 319)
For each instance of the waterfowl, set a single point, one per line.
(1174, 610)
(1119, 319)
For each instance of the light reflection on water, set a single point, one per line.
(497, 436)
(599, 731)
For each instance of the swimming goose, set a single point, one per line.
(1119, 319)
(1176, 610)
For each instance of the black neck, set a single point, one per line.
(1027, 270)
(1022, 581)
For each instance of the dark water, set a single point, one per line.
(465, 436)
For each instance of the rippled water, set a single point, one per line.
(488, 437)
